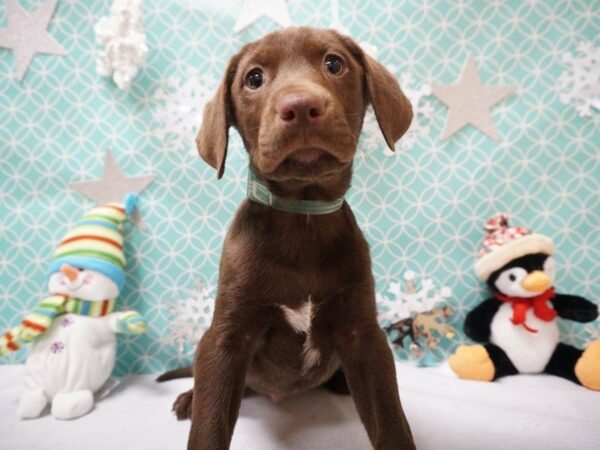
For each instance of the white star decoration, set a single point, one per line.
(252, 10)
(26, 34)
(470, 102)
(114, 184)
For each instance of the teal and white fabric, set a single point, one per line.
(422, 209)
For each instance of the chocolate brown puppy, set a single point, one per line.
(295, 304)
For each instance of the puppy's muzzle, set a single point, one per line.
(300, 125)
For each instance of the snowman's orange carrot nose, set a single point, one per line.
(69, 271)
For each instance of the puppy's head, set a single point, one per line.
(298, 97)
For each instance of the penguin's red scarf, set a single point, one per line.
(520, 305)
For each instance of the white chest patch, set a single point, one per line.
(300, 320)
(529, 352)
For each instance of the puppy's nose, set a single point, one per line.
(301, 108)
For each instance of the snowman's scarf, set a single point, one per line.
(39, 320)
(520, 305)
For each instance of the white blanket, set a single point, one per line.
(522, 412)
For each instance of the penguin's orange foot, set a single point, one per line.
(587, 368)
(472, 362)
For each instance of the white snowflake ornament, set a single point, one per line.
(123, 42)
(181, 104)
(406, 298)
(190, 318)
(581, 81)
(418, 311)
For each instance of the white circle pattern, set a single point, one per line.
(422, 209)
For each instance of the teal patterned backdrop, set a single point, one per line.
(422, 209)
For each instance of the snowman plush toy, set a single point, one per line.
(73, 329)
(517, 327)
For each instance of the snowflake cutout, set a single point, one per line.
(67, 321)
(406, 299)
(181, 104)
(190, 318)
(581, 81)
(413, 311)
(57, 347)
(422, 111)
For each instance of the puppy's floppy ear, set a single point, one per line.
(392, 109)
(217, 117)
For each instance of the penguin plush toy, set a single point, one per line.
(517, 327)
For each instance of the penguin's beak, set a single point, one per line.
(536, 281)
(70, 272)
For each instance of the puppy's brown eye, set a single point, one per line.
(334, 64)
(254, 79)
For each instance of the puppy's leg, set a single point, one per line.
(222, 359)
(368, 364)
(183, 405)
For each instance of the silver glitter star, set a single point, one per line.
(26, 34)
(470, 101)
(114, 185)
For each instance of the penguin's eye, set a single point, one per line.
(509, 278)
(514, 274)
(550, 266)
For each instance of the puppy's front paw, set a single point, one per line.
(183, 405)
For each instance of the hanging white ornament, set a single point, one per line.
(123, 41)
(580, 81)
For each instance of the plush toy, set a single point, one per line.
(517, 326)
(73, 330)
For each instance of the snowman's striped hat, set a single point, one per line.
(502, 244)
(96, 242)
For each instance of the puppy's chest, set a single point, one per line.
(301, 320)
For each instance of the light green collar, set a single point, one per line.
(258, 191)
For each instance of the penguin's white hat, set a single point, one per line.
(503, 244)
